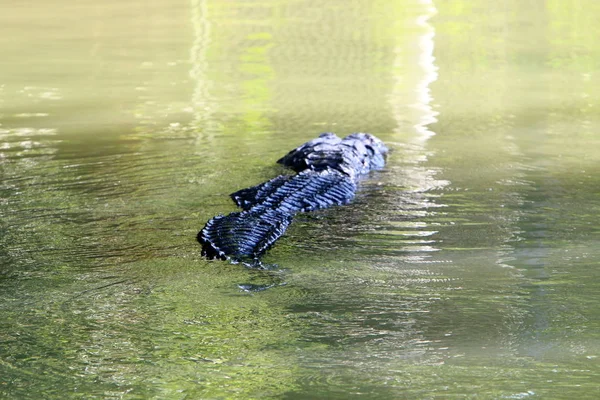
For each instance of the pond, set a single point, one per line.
(468, 268)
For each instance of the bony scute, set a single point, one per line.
(328, 169)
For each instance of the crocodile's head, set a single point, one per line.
(369, 150)
(354, 155)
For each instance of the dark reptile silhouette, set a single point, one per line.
(328, 169)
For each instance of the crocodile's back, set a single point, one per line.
(328, 168)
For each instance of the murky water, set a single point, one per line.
(468, 268)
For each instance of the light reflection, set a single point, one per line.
(36, 93)
(20, 143)
(256, 94)
(430, 75)
(247, 87)
(202, 104)
(420, 110)
(413, 111)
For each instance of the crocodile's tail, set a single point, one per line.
(306, 191)
(328, 171)
(242, 235)
(269, 209)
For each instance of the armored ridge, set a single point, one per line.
(327, 169)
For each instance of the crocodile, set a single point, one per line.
(327, 169)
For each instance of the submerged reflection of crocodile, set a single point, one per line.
(327, 169)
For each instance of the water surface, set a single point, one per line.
(468, 268)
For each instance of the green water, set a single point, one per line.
(468, 268)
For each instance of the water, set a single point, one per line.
(468, 268)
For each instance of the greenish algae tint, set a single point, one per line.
(468, 268)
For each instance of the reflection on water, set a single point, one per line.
(413, 112)
(466, 268)
(198, 58)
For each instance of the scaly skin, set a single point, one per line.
(327, 169)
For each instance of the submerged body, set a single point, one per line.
(327, 169)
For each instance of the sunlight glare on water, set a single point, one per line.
(467, 268)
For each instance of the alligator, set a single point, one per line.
(327, 172)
